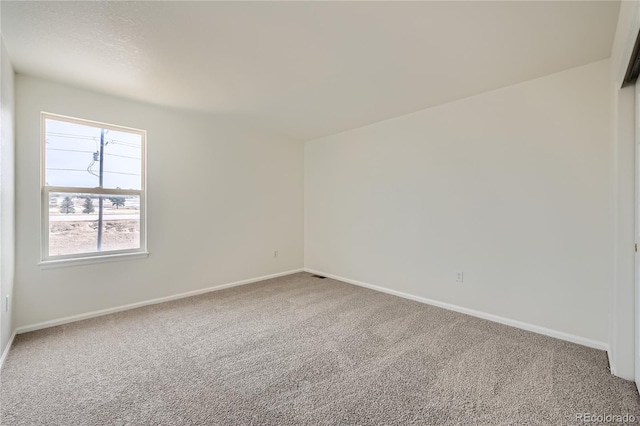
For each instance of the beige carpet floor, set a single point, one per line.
(298, 350)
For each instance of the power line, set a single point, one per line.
(123, 173)
(65, 170)
(91, 152)
(69, 150)
(80, 170)
(127, 144)
(70, 136)
(93, 138)
(123, 156)
(90, 168)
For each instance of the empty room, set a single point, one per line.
(319, 212)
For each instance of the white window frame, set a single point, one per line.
(96, 256)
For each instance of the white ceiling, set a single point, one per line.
(305, 69)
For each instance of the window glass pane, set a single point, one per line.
(122, 160)
(74, 223)
(72, 156)
(121, 223)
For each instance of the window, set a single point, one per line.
(93, 189)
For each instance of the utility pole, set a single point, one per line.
(101, 200)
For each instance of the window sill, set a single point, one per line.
(80, 261)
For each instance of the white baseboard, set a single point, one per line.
(5, 353)
(502, 320)
(87, 315)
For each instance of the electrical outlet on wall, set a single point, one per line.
(459, 276)
(6, 303)
(275, 253)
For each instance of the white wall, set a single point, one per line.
(7, 195)
(513, 187)
(622, 309)
(247, 186)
